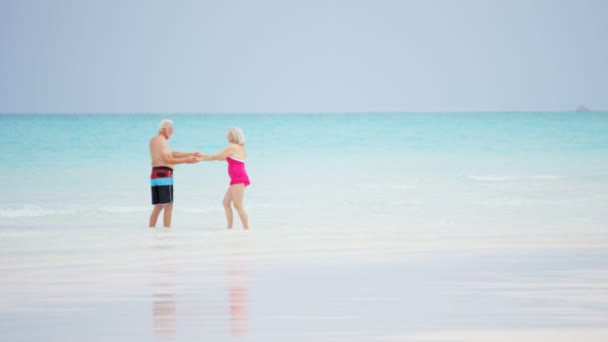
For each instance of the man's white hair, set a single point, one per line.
(238, 135)
(164, 124)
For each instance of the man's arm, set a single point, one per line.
(178, 157)
(176, 154)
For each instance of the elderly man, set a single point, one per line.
(161, 179)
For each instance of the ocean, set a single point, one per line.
(364, 226)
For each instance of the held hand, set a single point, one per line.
(191, 159)
(202, 157)
(198, 154)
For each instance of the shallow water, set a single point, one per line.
(412, 227)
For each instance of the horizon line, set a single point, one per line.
(308, 113)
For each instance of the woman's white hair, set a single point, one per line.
(238, 135)
(164, 124)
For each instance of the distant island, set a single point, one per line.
(582, 109)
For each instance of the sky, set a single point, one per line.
(279, 56)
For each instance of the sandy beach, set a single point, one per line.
(187, 284)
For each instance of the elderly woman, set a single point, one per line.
(235, 154)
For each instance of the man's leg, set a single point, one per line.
(167, 215)
(154, 216)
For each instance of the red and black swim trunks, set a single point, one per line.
(161, 182)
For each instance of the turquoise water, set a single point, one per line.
(450, 172)
(364, 227)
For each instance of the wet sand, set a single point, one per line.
(192, 285)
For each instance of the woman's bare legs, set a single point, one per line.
(236, 193)
(228, 207)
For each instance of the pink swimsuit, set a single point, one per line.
(236, 171)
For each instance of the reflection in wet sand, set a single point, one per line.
(238, 292)
(164, 316)
(163, 298)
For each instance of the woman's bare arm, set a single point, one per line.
(222, 155)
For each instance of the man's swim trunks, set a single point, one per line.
(236, 171)
(161, 181)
